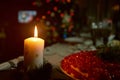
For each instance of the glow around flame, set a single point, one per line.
(35, 32)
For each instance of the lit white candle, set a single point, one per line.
(33, 52)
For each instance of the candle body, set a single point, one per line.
(33, 53)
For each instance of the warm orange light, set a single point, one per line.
(35, 32)
(43, 17)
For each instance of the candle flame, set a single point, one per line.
(35, 32)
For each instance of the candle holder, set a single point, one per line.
(43, 73)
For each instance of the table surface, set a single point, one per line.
(53, 54)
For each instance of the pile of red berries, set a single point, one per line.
(85, 65)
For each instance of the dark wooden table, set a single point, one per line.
(48, 73)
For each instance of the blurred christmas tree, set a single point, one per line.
(60, 15)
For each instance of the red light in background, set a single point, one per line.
(71, 13)
(47, 1)
(68, 1)
(33, 3)
(62, 15)
(55, 8)
(63, 1)
(37, 19)
(48, 12)
(56, 0)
